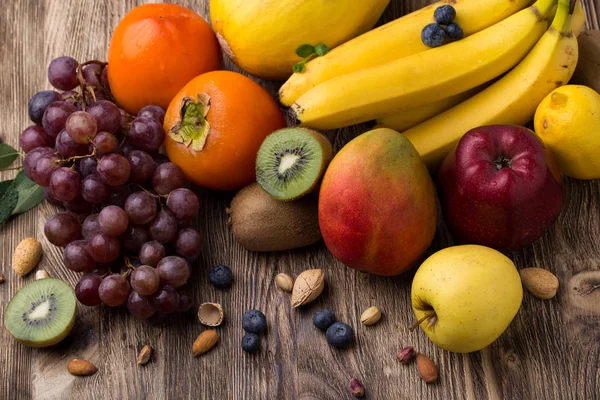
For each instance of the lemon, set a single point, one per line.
(568, 121)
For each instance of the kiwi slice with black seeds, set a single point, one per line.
(42, 313)
(291, 162)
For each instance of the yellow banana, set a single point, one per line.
(511, 100)
(414, 116)
(407, 119)
(394, 40)
(425, 77)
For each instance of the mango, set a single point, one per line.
(377, 204)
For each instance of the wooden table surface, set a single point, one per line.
(550, 350)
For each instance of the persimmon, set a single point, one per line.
(215, 126)
(155, 50)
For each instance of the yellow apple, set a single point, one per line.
(466, 296)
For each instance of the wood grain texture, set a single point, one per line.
(550, 351)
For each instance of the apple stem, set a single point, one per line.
(420, 321)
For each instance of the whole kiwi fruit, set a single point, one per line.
(261, 223)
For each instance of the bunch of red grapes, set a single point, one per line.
(128, 221)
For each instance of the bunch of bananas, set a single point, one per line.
(510, 59)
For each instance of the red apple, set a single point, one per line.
(500, 187)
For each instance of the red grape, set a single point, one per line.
(113, 221)
(167, 177)
(166, 299)
(87, 290)
(55, 117)
(62, 229)
(39, 102)
(94, 190)
(160, 158)
(153, 112)
(142, 166)
(146, 134)
(62, 73)
(77, 258)
(134, 238)
(114, 169)
(140, 306)
(33, 137)
(91, 226)
(188, 243)
(44, 168)
(118, 196)
(104, 248)
(183, 203)
(145, 280)
(32, 158)
(87, 166)
(140, 207)
(91, 74)
(163, 227)
(81, 126)
(105, 143)
(185, 298)
(51, 200)
(173, 271)
(107, 116)
(78, 205)
(152, 252)
(67, 147)
(64, 184)
(114, 290)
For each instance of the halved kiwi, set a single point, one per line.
(291, 162)
(42, 313)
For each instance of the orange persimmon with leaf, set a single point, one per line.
(215, 126)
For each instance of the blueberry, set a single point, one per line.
(444, 15)
(339, 335)
(220, 276)
(254, 321)
(250, 343)
(454, 31)
(433, 35)
(324, 319)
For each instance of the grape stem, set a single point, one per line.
(85, 87)
(66, 160)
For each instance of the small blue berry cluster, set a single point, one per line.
(253, 322)
(436, 33)
(338, 334)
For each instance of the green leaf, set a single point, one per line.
(4, 185)
(321, 49)
(21, 181)
(8, 202)
(28, 198)
(305, 50)
(7, 155)
(299, 67)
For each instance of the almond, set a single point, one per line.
(144, 355)
(204, 342)
(41, 274)
(284, 282)
(541, 283)
(26, 256)
(308, 286)
(427, 369)
(81, 367)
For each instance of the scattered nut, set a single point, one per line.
(144, 355)
(540, 282)
(204, 342)
(406, 354)
(308, 286)
(427, 369)
(357, 388)
(371, 316)
(284, 282)
(2, 278)
(210, 314)
(26, 256)
(41, 274)
(79, 367)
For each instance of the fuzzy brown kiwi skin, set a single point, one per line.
(261, 223)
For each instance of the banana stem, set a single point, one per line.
(562, 20)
